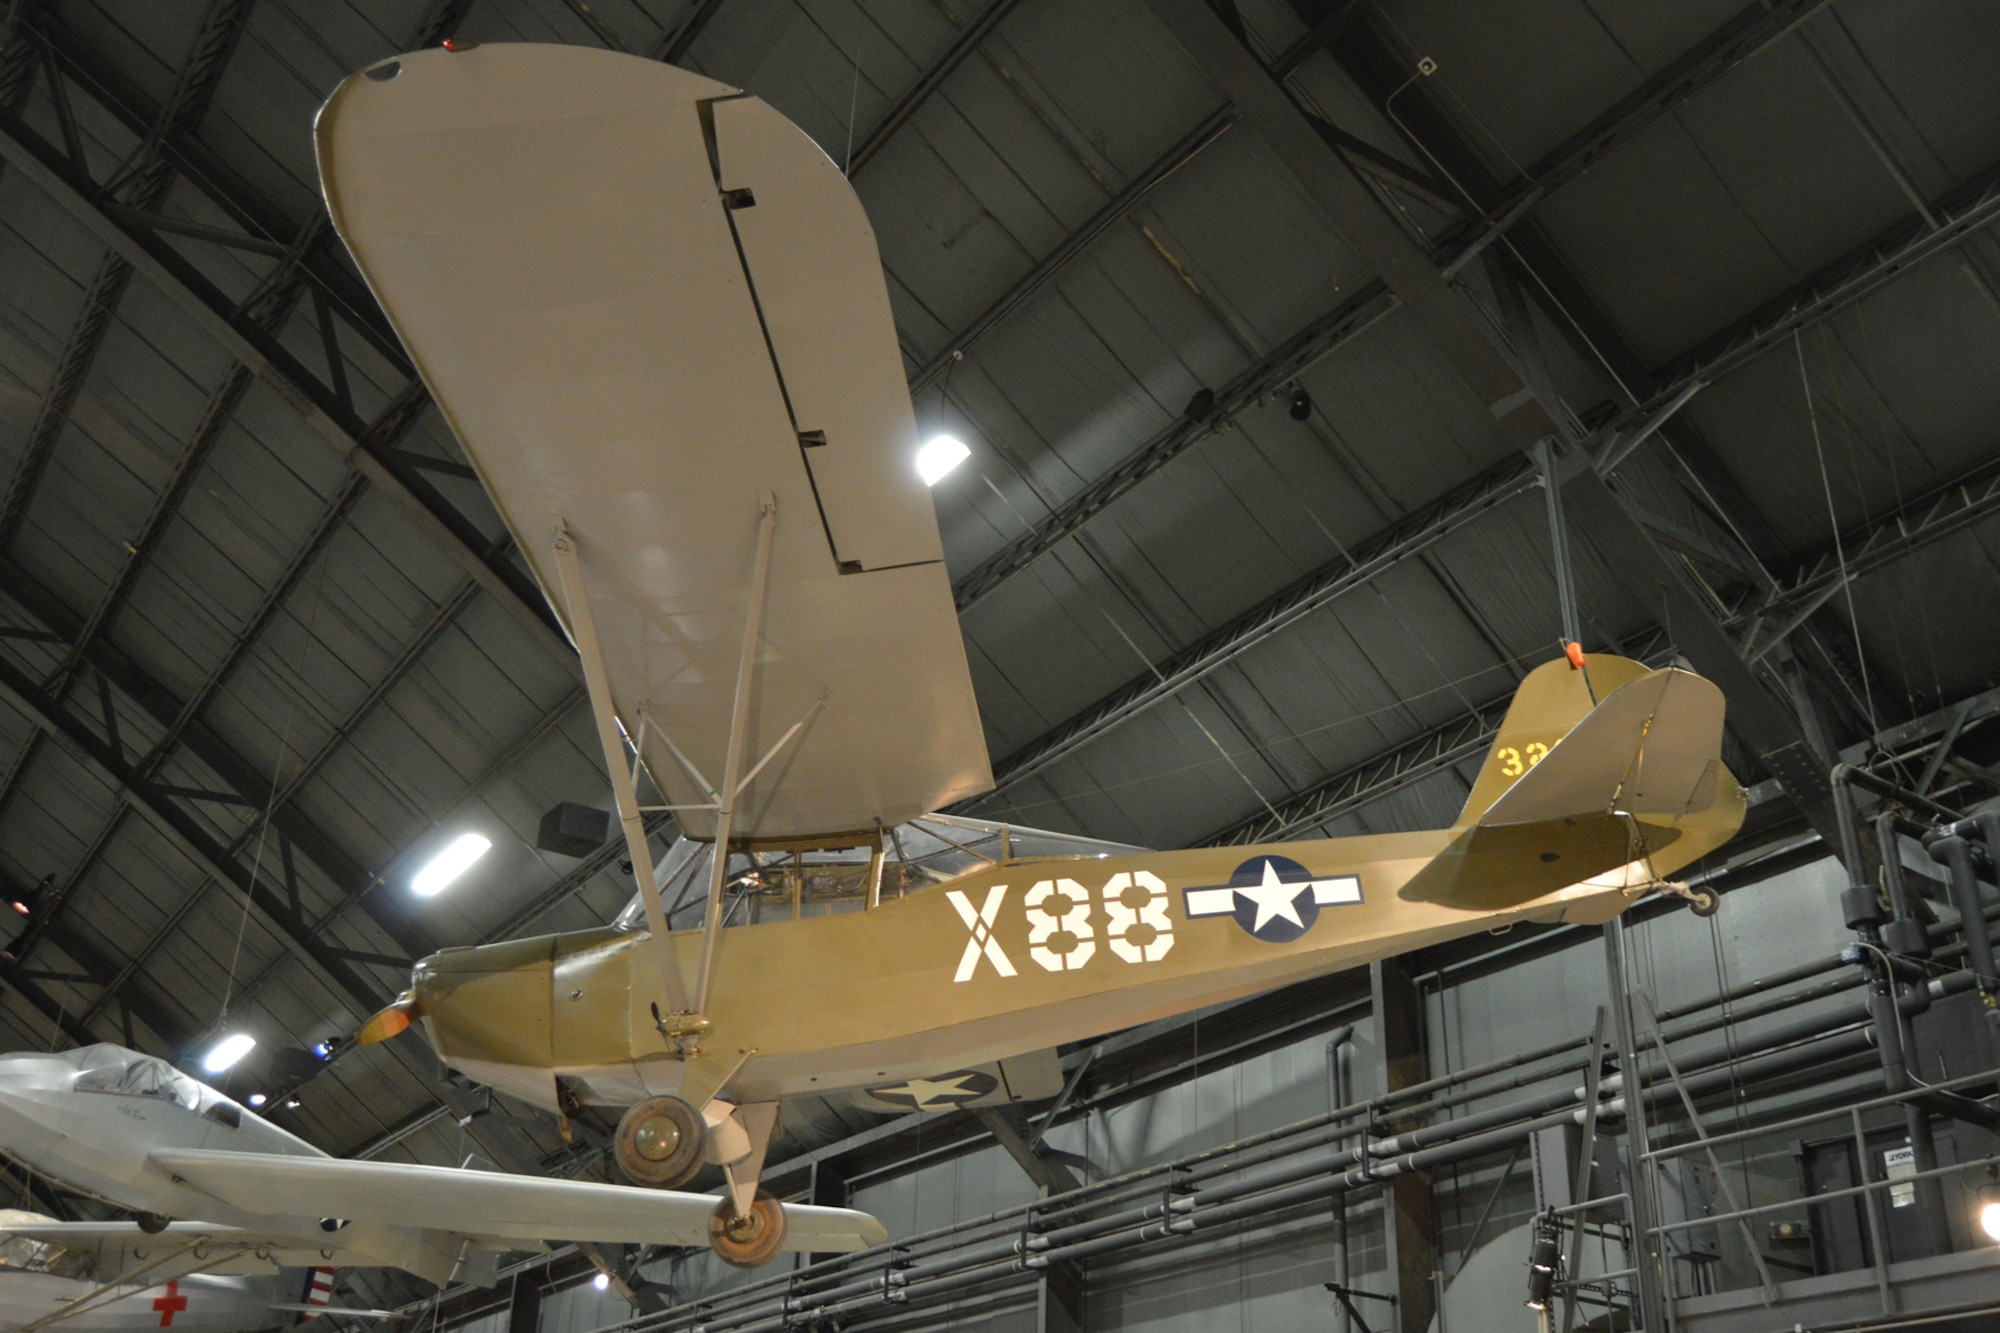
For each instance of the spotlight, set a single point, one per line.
(1302, 405)
(443, 869)
(31, 902)
(940, 454)
(1543, 1257)
(323, 1049)
(602, 1282)
(225, 1053)
(256, 1099)
(1989, 1211)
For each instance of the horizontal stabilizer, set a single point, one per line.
(1611, 789)
(486, 1205)
(1653, 747)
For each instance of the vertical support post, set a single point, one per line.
(1059, 1300)
(583, 629)
(1410, 1221)
(524, 1304)
(1586, 1158)
(739, 723)
(1645, 1239)
(1545, 457)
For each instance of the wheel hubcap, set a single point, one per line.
(657, 1138)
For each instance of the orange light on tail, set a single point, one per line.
(1574, 652)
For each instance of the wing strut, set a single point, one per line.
(733, 781)
(583, 628)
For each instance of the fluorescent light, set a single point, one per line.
(227, 1052)
(940, 454)
(602, 1282)
(444, 868)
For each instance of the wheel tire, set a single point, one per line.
(152, 1223)
(749, 1241)
(659, 1143)
(1705, 902)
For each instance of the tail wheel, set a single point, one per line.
(659, 1143)
(152, 1223)
(751, 1240)
(1704, 902)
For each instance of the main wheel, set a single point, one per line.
(659, 1143)
(152, 1223)
(1704, 902)
(749, 1241)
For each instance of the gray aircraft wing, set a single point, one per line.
(648, 305)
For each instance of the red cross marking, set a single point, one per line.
(170, 1304)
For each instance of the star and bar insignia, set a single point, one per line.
(1274, 898)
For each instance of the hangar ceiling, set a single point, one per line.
(263, 642)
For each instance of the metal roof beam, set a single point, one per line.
(189, 836)
(1746, 35)
(1366, 560)
(149, 176)
(681, 40)
(281, 800)
(370, 450)
(237, 773)
(1122, 203)
(927, 83)
(1264, 377)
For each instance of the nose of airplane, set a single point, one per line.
(487, 1005)
(29, 1081)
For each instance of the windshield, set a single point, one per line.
(18, 1252)
(778, 884)
(113, 1069)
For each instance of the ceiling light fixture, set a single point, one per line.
(442, 870)
(256, 1099)
(1989, 1211)
(940, 454)
(602, 1282)
(225, 1053)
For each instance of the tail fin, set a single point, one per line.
(1572, 791)
(319, 1287)
(1551, 700)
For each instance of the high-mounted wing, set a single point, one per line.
(646, 303)
(487, 1205)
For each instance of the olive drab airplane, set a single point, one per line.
(654, 315)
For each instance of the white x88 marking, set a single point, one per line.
(1063, 905)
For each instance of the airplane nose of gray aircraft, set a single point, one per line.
(30, 1084)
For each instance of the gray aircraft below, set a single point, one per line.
(44, 1285)
(217, 1189)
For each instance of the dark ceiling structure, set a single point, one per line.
(1271, 325)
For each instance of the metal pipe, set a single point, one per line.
(1955, 854)
(1337, 1075)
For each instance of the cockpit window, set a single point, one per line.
(138, 1076)
(779, 884)
(224, 1113)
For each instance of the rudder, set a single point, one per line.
(1551, 700)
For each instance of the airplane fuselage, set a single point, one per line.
(1014, 957)
(198, 1303)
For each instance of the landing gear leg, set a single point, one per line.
(1702, 902)
(660, 1143)
(750, 1238)
(748, 1227)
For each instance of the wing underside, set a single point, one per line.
(647, 303)
(497, 1209)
